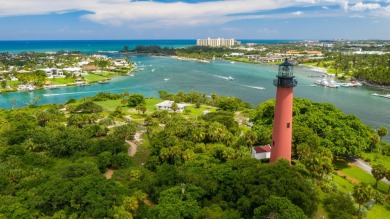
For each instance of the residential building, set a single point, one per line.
(166, 105)
(261, 152)
(219, 42)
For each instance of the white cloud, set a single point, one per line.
(361, 6)
(298, 13)
(117, 12)
(151, 13)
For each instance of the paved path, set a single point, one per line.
(131, 151)
(365, 166)
(134, 144)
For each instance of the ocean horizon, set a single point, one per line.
(93, 46)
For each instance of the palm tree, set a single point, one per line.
(379, 172)
(362, 194)
(382, 131)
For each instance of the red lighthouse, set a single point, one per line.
(282, 130)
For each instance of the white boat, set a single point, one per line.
(333, 83)
(324, 82)
(230, 78)
(232, 62)
(153, 70)
(166, 79)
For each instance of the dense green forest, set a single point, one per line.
(371, 68)
(53, 157)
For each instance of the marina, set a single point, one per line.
(252, 83)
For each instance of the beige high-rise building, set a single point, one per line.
(219, 42)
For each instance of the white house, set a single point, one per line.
(166, 105)
(73, 71)
(53, 73)
(261, 152)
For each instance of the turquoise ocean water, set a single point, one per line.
(176, 75)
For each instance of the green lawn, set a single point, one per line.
(151, 104)
(94, 77)
(375, 159)
(109, 105)
(379, 211)
(344, 184)
(57, 81)
(359, 174)
(196, 112)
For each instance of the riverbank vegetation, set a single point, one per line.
(191, 164)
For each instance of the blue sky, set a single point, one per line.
(191, 19)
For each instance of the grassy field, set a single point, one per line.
(94, 78)
(344, 184)
(110, 105)
(378, 211)
(57, 81)
(196, 112)
(375, 159)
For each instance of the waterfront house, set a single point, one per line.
(261, 152)
(166, 105)
(73, 71)
(53, 72)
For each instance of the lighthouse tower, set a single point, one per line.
(282, 130)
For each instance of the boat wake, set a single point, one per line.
(230, 78)
(60, 94)
(254, 87)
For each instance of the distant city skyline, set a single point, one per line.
(194, 19)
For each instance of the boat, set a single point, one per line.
(230, 78)
(166, 79)
(381, 95)
(153, 70)
(333, 84)
(232, 62)
(324, 82)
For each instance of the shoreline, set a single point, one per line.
(73, 84)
